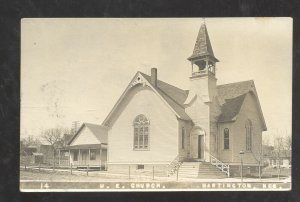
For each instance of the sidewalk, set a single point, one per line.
(107, 176)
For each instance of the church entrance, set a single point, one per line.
(200, 147)
(197, 140)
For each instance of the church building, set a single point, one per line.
(202, 131)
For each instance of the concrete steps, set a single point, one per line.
(199, 170)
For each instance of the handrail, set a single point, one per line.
(174, 166)
(220, 165)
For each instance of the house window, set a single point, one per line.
(182, 137)
(140, 167)
(226, 138)
(248, 127)
(92, 154)
(75, 157)
(141, 133)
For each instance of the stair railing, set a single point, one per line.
(220, 165)
(174, 166)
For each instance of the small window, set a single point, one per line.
(226, 138)
(75, 157)
(92, 154)
(182, 137)
(140, 167)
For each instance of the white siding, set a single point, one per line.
(250, 111)
(163, 130)
(85, 136)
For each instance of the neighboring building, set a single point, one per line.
(274, 158)
(39, 153)
(88, 147)
(155, 124)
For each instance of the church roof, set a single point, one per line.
(98, 131)
(202, 46)
(231, 108)
(177, 95)
(233, 94)
(232, 90)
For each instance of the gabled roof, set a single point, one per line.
(233, 95)
(98, 131)
(202, 46)
(172, 95)
(231, 108)
(232, 90)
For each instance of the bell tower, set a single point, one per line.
(203, 75)
(201, 104)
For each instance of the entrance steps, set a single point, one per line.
(200, 170)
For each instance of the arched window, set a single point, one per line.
(182, 137)
(226, 138)
(248, 127)
(141, 132)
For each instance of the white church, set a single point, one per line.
(200, 132)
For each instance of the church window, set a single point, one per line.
(141, 133)
(182, 137)
(226, 138)
(248, 127)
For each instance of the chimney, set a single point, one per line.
(154, 76)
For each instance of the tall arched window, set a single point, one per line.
(182, 138)
(226, 138)
(248, 127)
(141, 132)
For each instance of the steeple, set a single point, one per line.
(203, 56)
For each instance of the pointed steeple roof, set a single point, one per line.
(202, 46)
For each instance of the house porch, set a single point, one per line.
(89, 155)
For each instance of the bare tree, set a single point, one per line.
(25, 142)
(54, 136)
(279, 145)
(288, 147)
(288, 142)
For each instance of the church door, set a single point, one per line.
(200, 147)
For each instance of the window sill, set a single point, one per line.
(141, 149)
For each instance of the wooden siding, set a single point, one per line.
(85, 136)
(200, 120)
(184, 152)
(163, 130)
(250, 111)
(97, 161)
(225, 155)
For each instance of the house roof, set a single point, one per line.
(67, 137)
(86, 146)
(98, 131)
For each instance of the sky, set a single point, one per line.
(76, 69)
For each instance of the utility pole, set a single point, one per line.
(241, 154)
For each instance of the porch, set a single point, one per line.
(88, 156)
